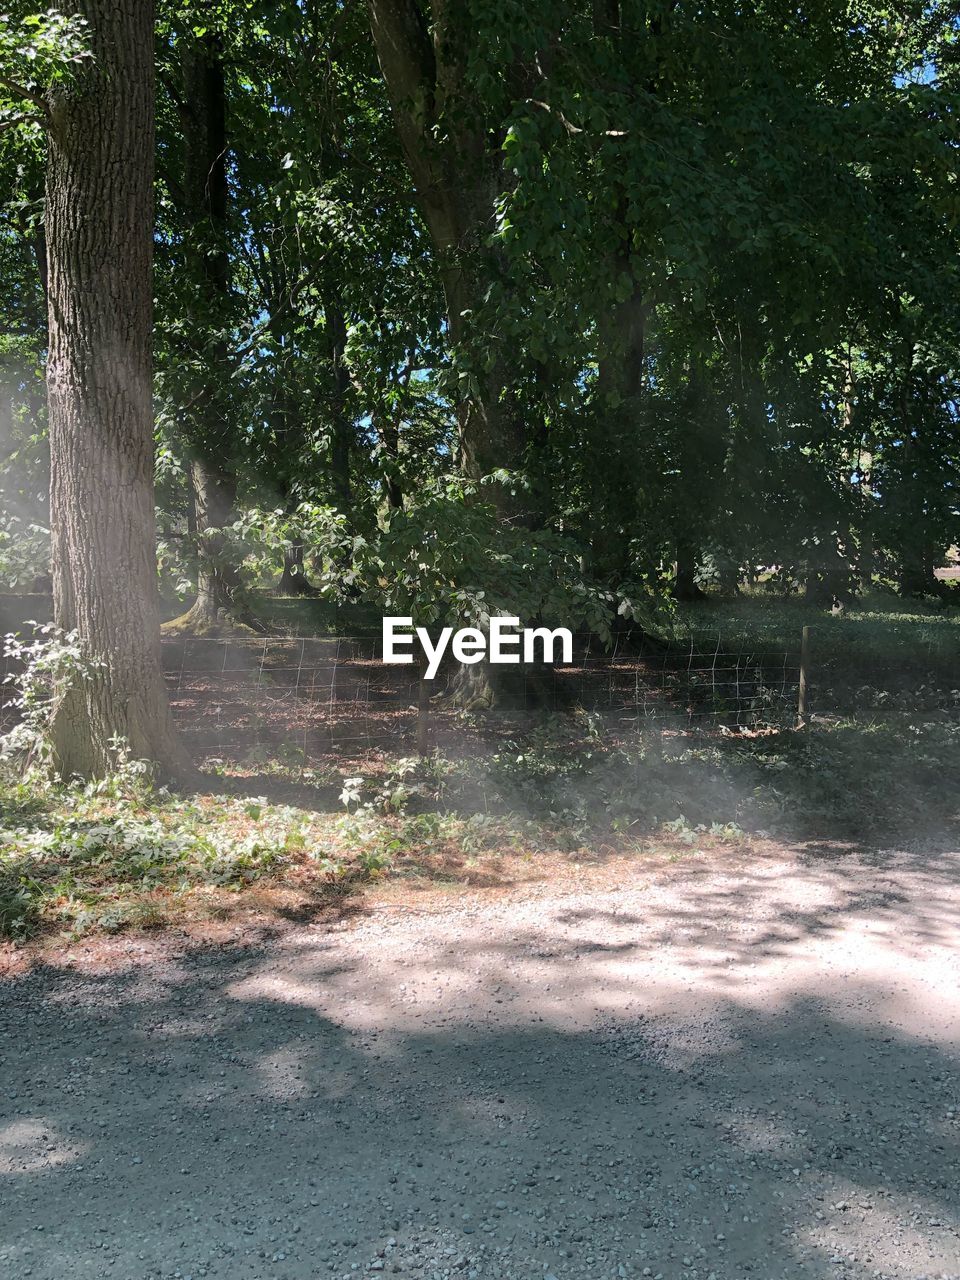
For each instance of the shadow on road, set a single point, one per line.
(591, 1092)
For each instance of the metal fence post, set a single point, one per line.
(653, 741)
(804, 691)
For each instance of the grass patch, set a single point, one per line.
(876, 630)
(87, 860)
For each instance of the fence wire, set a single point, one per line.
(329, 700)
(311, 698)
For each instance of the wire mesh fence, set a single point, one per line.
(311, 700)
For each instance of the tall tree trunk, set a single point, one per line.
(286, 410)
(916, 574)
(219, 585)
(293, 580)
(99, 225)
(490, 424)
(685, 587)
(866, 558)
(211, 436)
(728, 574)
(457, 183)
(917, 556)
(611, 462)
(287, 429)
(423, 60)
(388, 429)
(492, 436)
(341, 427)
(218, 580)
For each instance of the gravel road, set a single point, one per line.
(736, 1064)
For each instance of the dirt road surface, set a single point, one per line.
(739, 1064)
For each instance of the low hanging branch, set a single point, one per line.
(13, 121)
(570, 127)
(24, 93)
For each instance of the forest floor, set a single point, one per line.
(741, 1062)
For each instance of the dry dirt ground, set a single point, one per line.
(739, 1064)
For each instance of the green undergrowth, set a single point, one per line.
(877, 766)
(886, 773)
(108, 856)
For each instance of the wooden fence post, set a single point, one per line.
(804, 691)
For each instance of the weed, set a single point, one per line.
(51, 664)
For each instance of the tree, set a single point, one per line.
(202, 346)
(99, 229)
(453, 149)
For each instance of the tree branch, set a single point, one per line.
(409, 70)
(21, 91)
(283, 305)
(15, 120)
(406, 57)
(572, 128)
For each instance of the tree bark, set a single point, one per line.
(457, 181)
(482, 687)
(293, 580)
(388, 429)
(919, 558)
(611, 464)
(917, 554)
(218, 580)
(286, 411)
(99, 226)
